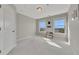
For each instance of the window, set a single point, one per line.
(42, 25)
(59, 25)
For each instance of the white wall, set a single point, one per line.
(73, 31)
(26, 26)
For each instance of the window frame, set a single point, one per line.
(39, 25)
(63, 17)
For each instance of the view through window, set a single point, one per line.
(59, 25)
(42, 25)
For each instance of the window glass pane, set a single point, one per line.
(42, 25)
(59, 25)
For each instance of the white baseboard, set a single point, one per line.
(23, 38)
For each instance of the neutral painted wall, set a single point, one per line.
(26, 26)
(73, 32)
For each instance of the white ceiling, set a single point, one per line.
(47, 9)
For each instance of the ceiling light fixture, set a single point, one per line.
(39, 9)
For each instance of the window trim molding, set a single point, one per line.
(64, 23)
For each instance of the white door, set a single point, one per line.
(1, 29)
(10, 28)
